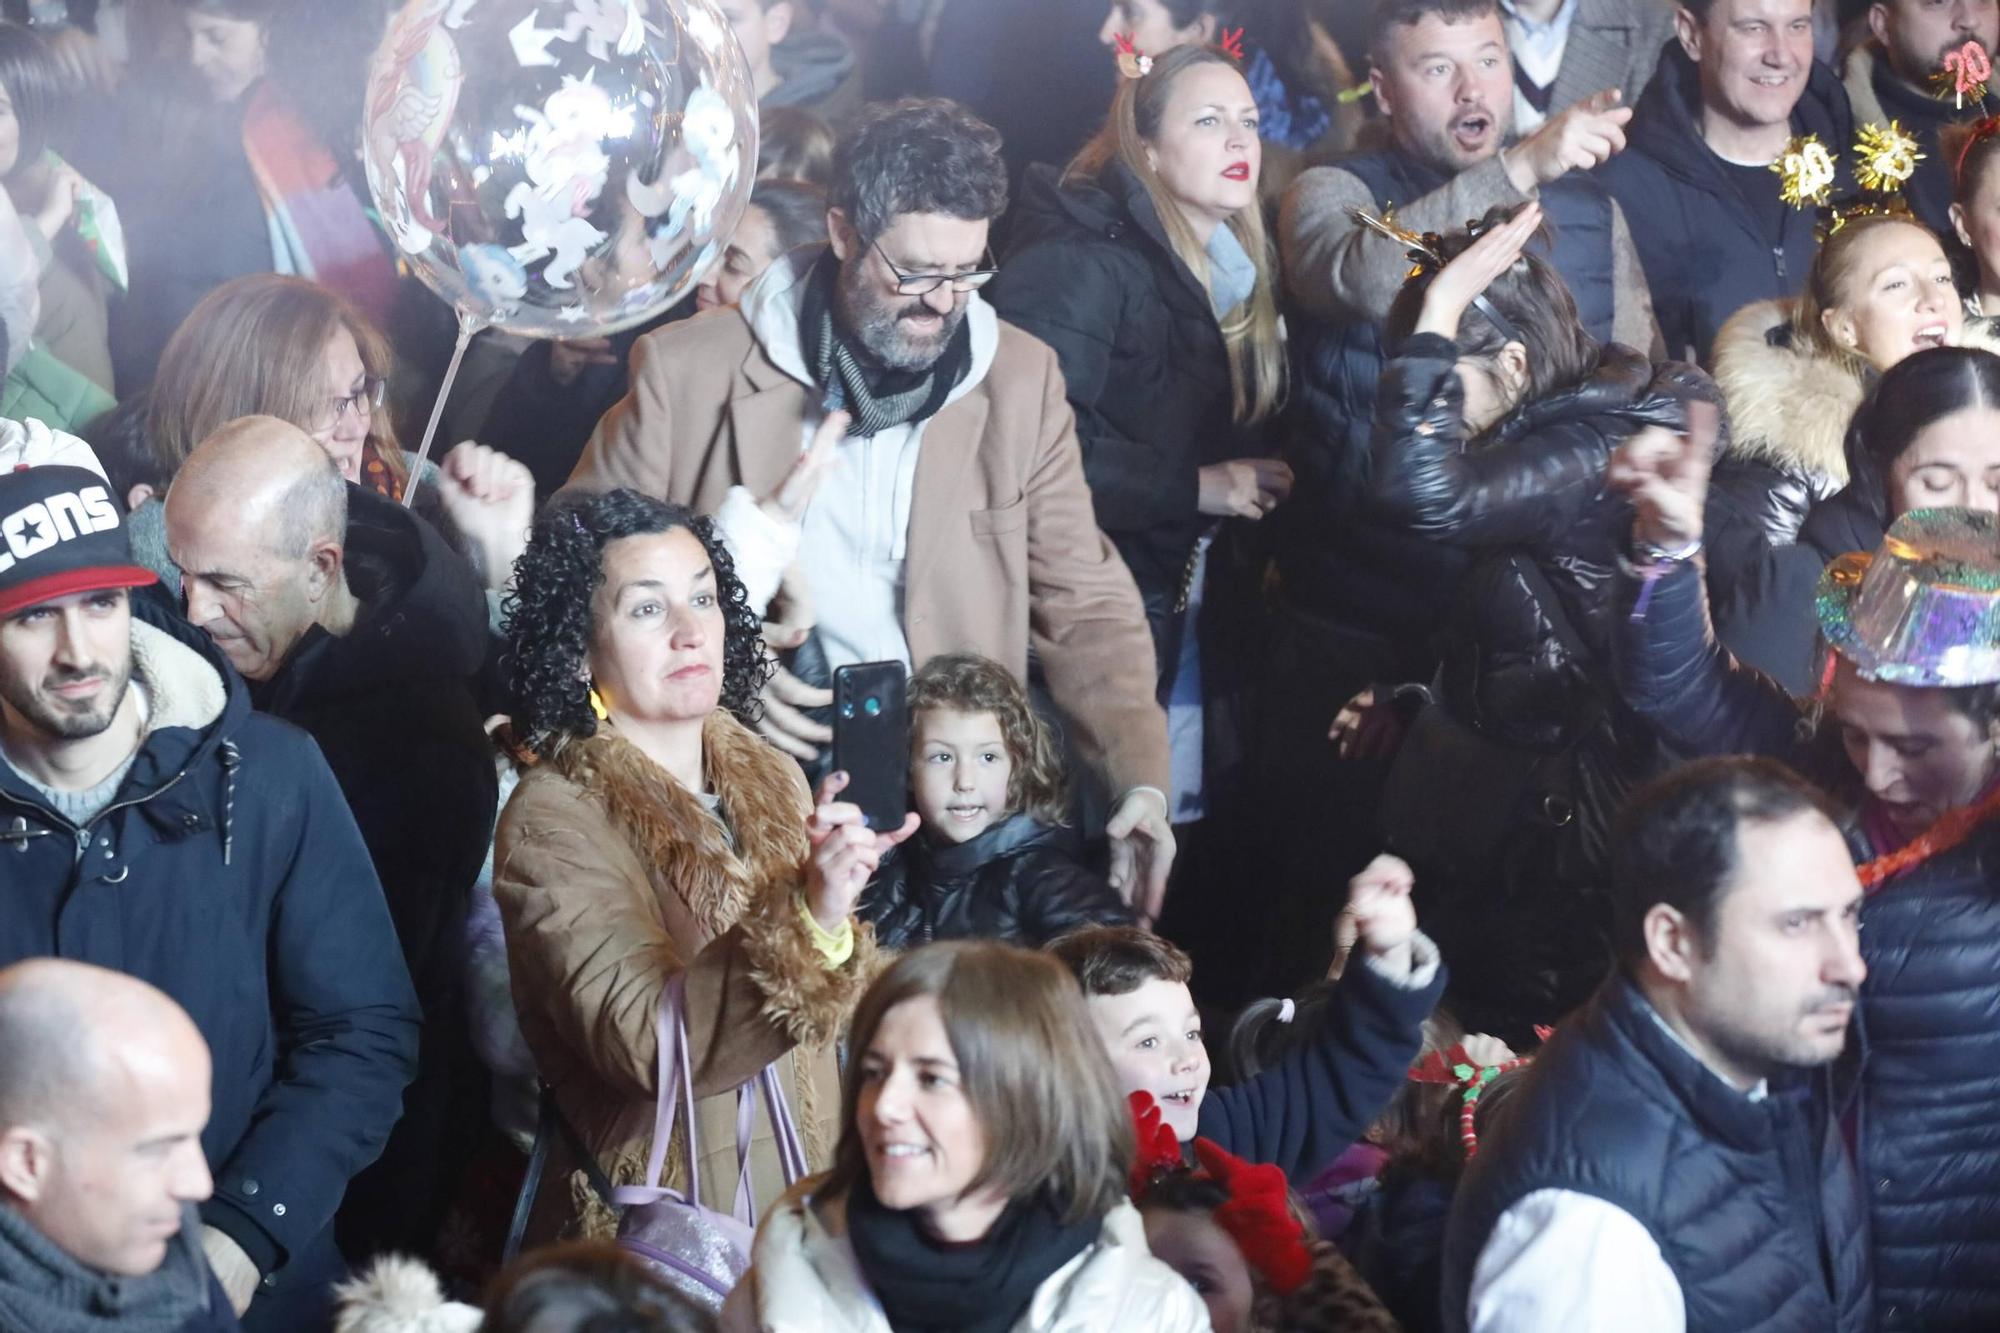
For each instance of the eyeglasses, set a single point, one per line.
(923, 284)
(373, 392)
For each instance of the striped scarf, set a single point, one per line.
(879, 399)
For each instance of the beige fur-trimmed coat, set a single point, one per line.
(611, 877)
(1789, 407)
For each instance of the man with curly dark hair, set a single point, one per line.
(954, 517)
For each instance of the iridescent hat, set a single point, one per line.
(1925, 609)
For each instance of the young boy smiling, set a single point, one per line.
(1327, 1090)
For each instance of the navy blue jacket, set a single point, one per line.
(1705, 253)
(229, 873)
(1929, 1143)
(1754, 1204)
(1311, 1105)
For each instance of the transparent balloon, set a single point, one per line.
(560, 168)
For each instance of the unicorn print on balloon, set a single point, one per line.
(567, 167)
(410, 115)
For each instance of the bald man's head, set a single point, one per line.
(104, 1092)
(257, 522)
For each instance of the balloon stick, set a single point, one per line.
(467, 326)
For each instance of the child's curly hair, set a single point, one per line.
(969, 683)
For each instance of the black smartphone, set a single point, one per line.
(871, 739)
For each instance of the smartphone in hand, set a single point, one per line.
(871, 740)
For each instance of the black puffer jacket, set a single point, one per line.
(1019, 881)
(1534, 485)
(1522, 650)
(1091, 273)
(1929, 1147)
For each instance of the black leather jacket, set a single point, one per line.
(1020, 881)
(1533, 487)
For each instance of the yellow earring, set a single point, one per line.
(597, 705)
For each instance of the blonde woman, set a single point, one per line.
(1146, 267)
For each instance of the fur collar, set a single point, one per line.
(182, 690)
(715, 869)
(1788, 407)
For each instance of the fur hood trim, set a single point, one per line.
(400, 1295)
(182, 690)
(1787, 406)
(713, 869)
(751, 871)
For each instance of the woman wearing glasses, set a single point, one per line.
(270, 345)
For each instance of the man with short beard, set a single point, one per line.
(1889, 77)
(152, 824)
(1675, 1160)
(954, 515)
(1363, 601)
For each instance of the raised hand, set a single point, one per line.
(1473, 271)
(1665, 476)
(1385, 919)
(490, 498)
(787, 504)
(1583, 137)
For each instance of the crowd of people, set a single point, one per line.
(1535, 463)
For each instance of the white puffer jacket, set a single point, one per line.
(804, 1279)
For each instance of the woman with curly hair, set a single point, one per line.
(660, 838)
(994, 860)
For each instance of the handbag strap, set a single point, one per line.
(676, 1085)
(531, 1182)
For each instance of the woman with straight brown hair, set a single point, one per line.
(270, 345)
(979, 1183)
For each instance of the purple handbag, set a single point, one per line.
(700, 1252)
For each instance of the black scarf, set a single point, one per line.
(878, 397)
(926, 1286)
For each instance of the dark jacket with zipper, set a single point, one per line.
(1091, 273)
(1338, 558)
(1324, 1093)
(1754, 1204)
(228, 872)
(391, 704)
(1522, 650)
(1021, 881)
(1706, 254)
(1929, 1148)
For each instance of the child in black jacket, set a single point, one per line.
(993, 860)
